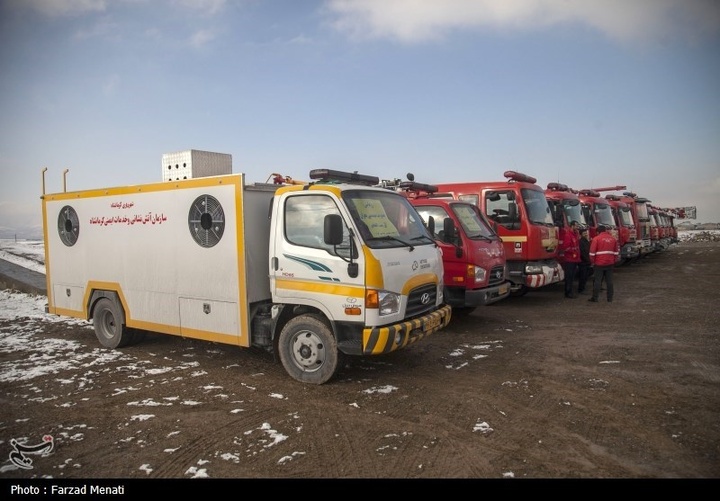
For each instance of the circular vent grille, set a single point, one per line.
(68, 226)
(206, 221)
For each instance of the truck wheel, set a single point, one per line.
(109, 329)
(308, 350)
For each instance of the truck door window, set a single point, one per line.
(304, 222)
(497, 207)
(437, 213)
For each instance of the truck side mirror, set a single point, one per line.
(449, 230)
(512, 211)
(333, 235)
(431, 225)
(513, 216)
(333, 229)
(450, 235)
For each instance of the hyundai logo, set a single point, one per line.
(425, 298)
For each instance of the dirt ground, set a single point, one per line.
(533, 387)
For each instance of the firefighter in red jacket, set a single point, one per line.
(604, 251)
(570, 256)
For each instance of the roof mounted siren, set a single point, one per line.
(411, 185)
(557, 187)
(329, 176)
(519, 177)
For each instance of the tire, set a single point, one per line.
(520, 292)
(308, 350)
(108, 323)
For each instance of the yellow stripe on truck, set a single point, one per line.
(321, 288)
(513, 239)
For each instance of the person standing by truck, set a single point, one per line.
(604, 250)
(584, 265)
(570, 250)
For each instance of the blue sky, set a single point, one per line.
(589, 93)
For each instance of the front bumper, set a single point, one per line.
(379, 340)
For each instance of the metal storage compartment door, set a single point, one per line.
(209, 319)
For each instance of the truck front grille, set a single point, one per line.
(497, 275)
(421, 300)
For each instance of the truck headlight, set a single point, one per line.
(533, 269)
(388, 303)
(480, 274)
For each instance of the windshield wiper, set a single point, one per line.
(389, 237)
(482, 237)
(423, 237)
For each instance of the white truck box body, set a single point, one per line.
(191, 164)
(138, 241)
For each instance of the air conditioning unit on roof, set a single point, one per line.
(190, 164)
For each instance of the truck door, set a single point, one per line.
(306, 270)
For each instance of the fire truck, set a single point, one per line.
(597, 212)
(627, 231)
(662, 220)
(309, 271)
(565, 207)
(522, 217)
(639, 206)
(642, 244)
(625, 223)
(473, 254)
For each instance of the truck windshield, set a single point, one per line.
(473, 224)
(386, 219)
(537, 206)
(573, 212)
(603, 214)
(625, 216)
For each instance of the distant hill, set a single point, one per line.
(687, 225)
(29, 233)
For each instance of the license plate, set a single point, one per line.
(504, 288)
(432, 323)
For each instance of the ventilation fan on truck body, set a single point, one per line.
(68, 226)
(206, 221)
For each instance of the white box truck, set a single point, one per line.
(310, 271)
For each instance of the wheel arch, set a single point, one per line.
(114, 294)
(288, 312)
